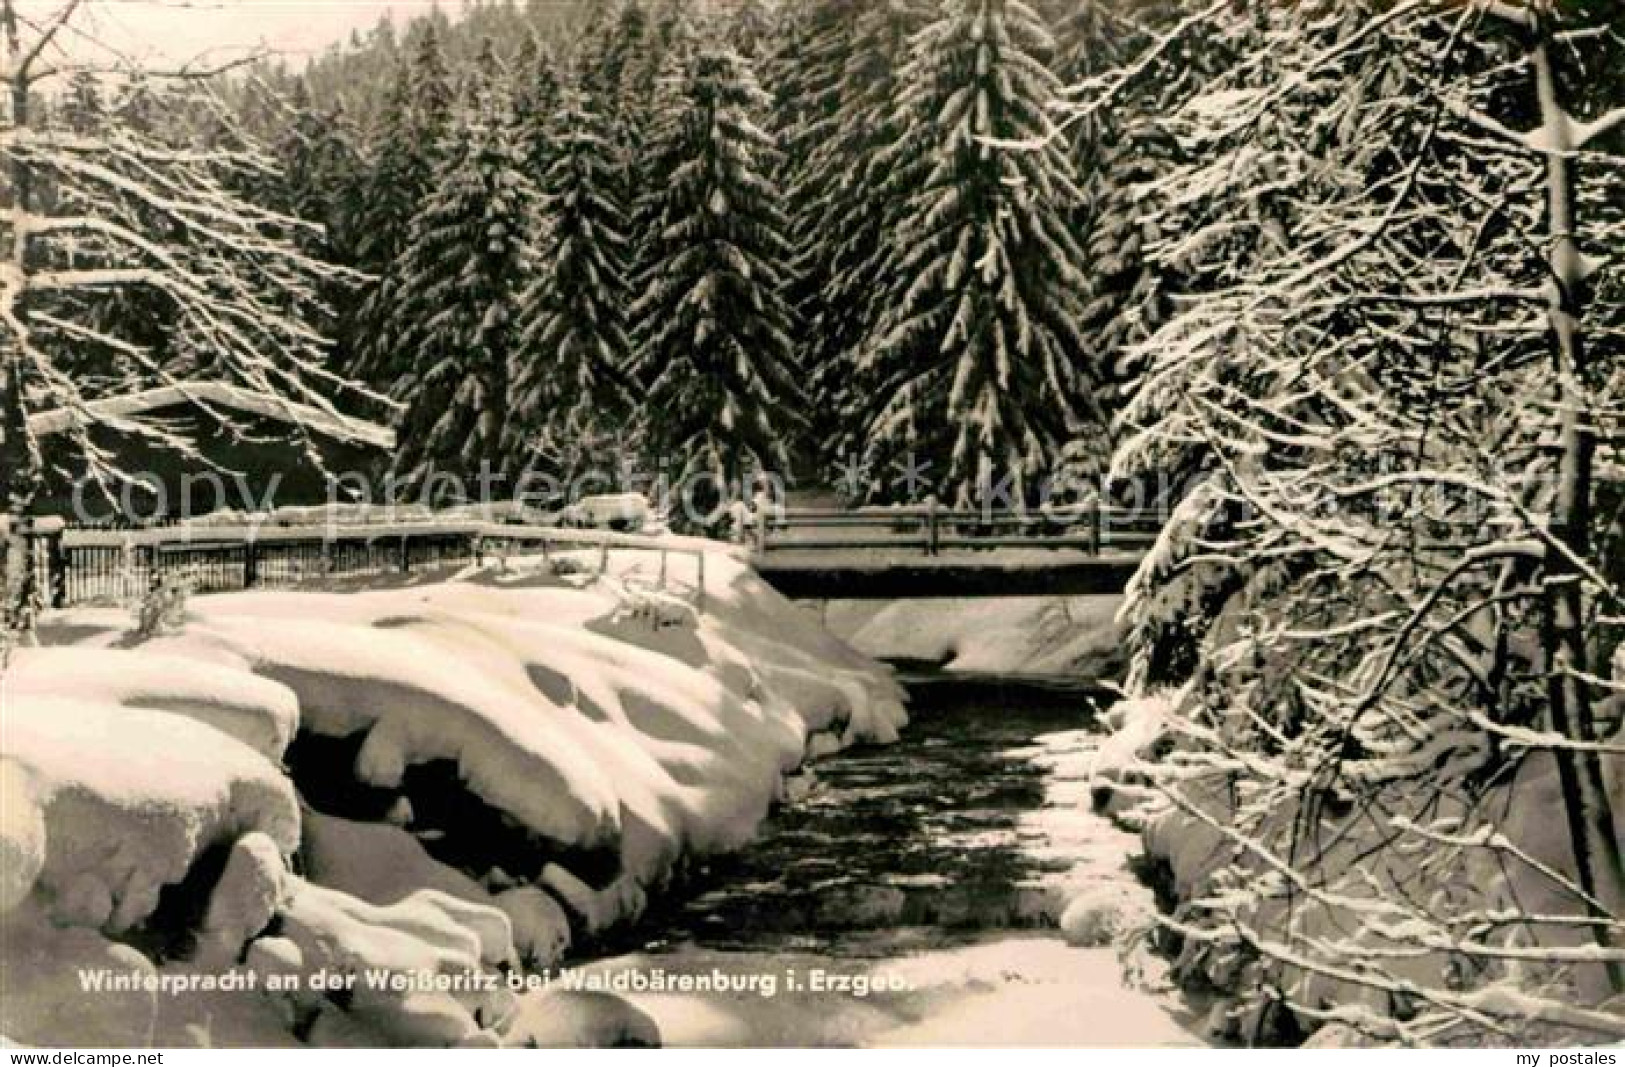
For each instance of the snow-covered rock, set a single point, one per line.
(1102, 913)
(1512, 865)
(1117, 780)
(579, 1019)
(130, 799)
(436, 947)
(75, 986)
(252, 888)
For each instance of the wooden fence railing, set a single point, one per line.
(79, 566)
(933, 530)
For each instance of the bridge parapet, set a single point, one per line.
(934, 552)
(931, 530)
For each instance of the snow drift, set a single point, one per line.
(483, 772)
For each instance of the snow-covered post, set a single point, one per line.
(50, 532)
(251, 561)
(931, 525)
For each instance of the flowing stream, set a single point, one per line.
(909, 894)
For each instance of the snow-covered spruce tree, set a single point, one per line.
(456, 300)
(1393, 600)
(616, 55)
(1118, 150)
(839, 83)
(750, 27)
(92, 214)
(573, 348)
(404, 158)
(975, 364)
(714, 352)
(537, 96)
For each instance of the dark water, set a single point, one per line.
(925, 836)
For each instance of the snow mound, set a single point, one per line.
(387, 960)
(257, 712)
(1015, 635)
(118, 829)
(384, 865)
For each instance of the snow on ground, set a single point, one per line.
(509, 760)
(1076, 636)
(1027, 990)
(1096, 899)
(1513, 880)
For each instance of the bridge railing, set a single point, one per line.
(82, 566)
(932, 530)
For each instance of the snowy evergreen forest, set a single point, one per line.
(832, 239)
(1343, 280)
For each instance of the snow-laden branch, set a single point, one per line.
(1583, 133)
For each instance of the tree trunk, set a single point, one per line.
(1587, 810)
(20, 465)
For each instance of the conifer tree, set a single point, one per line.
(1385, 602)
(1119, 152)
(456, 300)
(405, 159)
(321, 169)
(975, 363)
(843, 118)
(713, 330)
(750, 28)
(536, 97)
(415, 123)
(573, 341)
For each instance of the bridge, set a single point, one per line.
(934, 552)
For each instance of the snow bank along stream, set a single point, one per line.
(455, 778)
